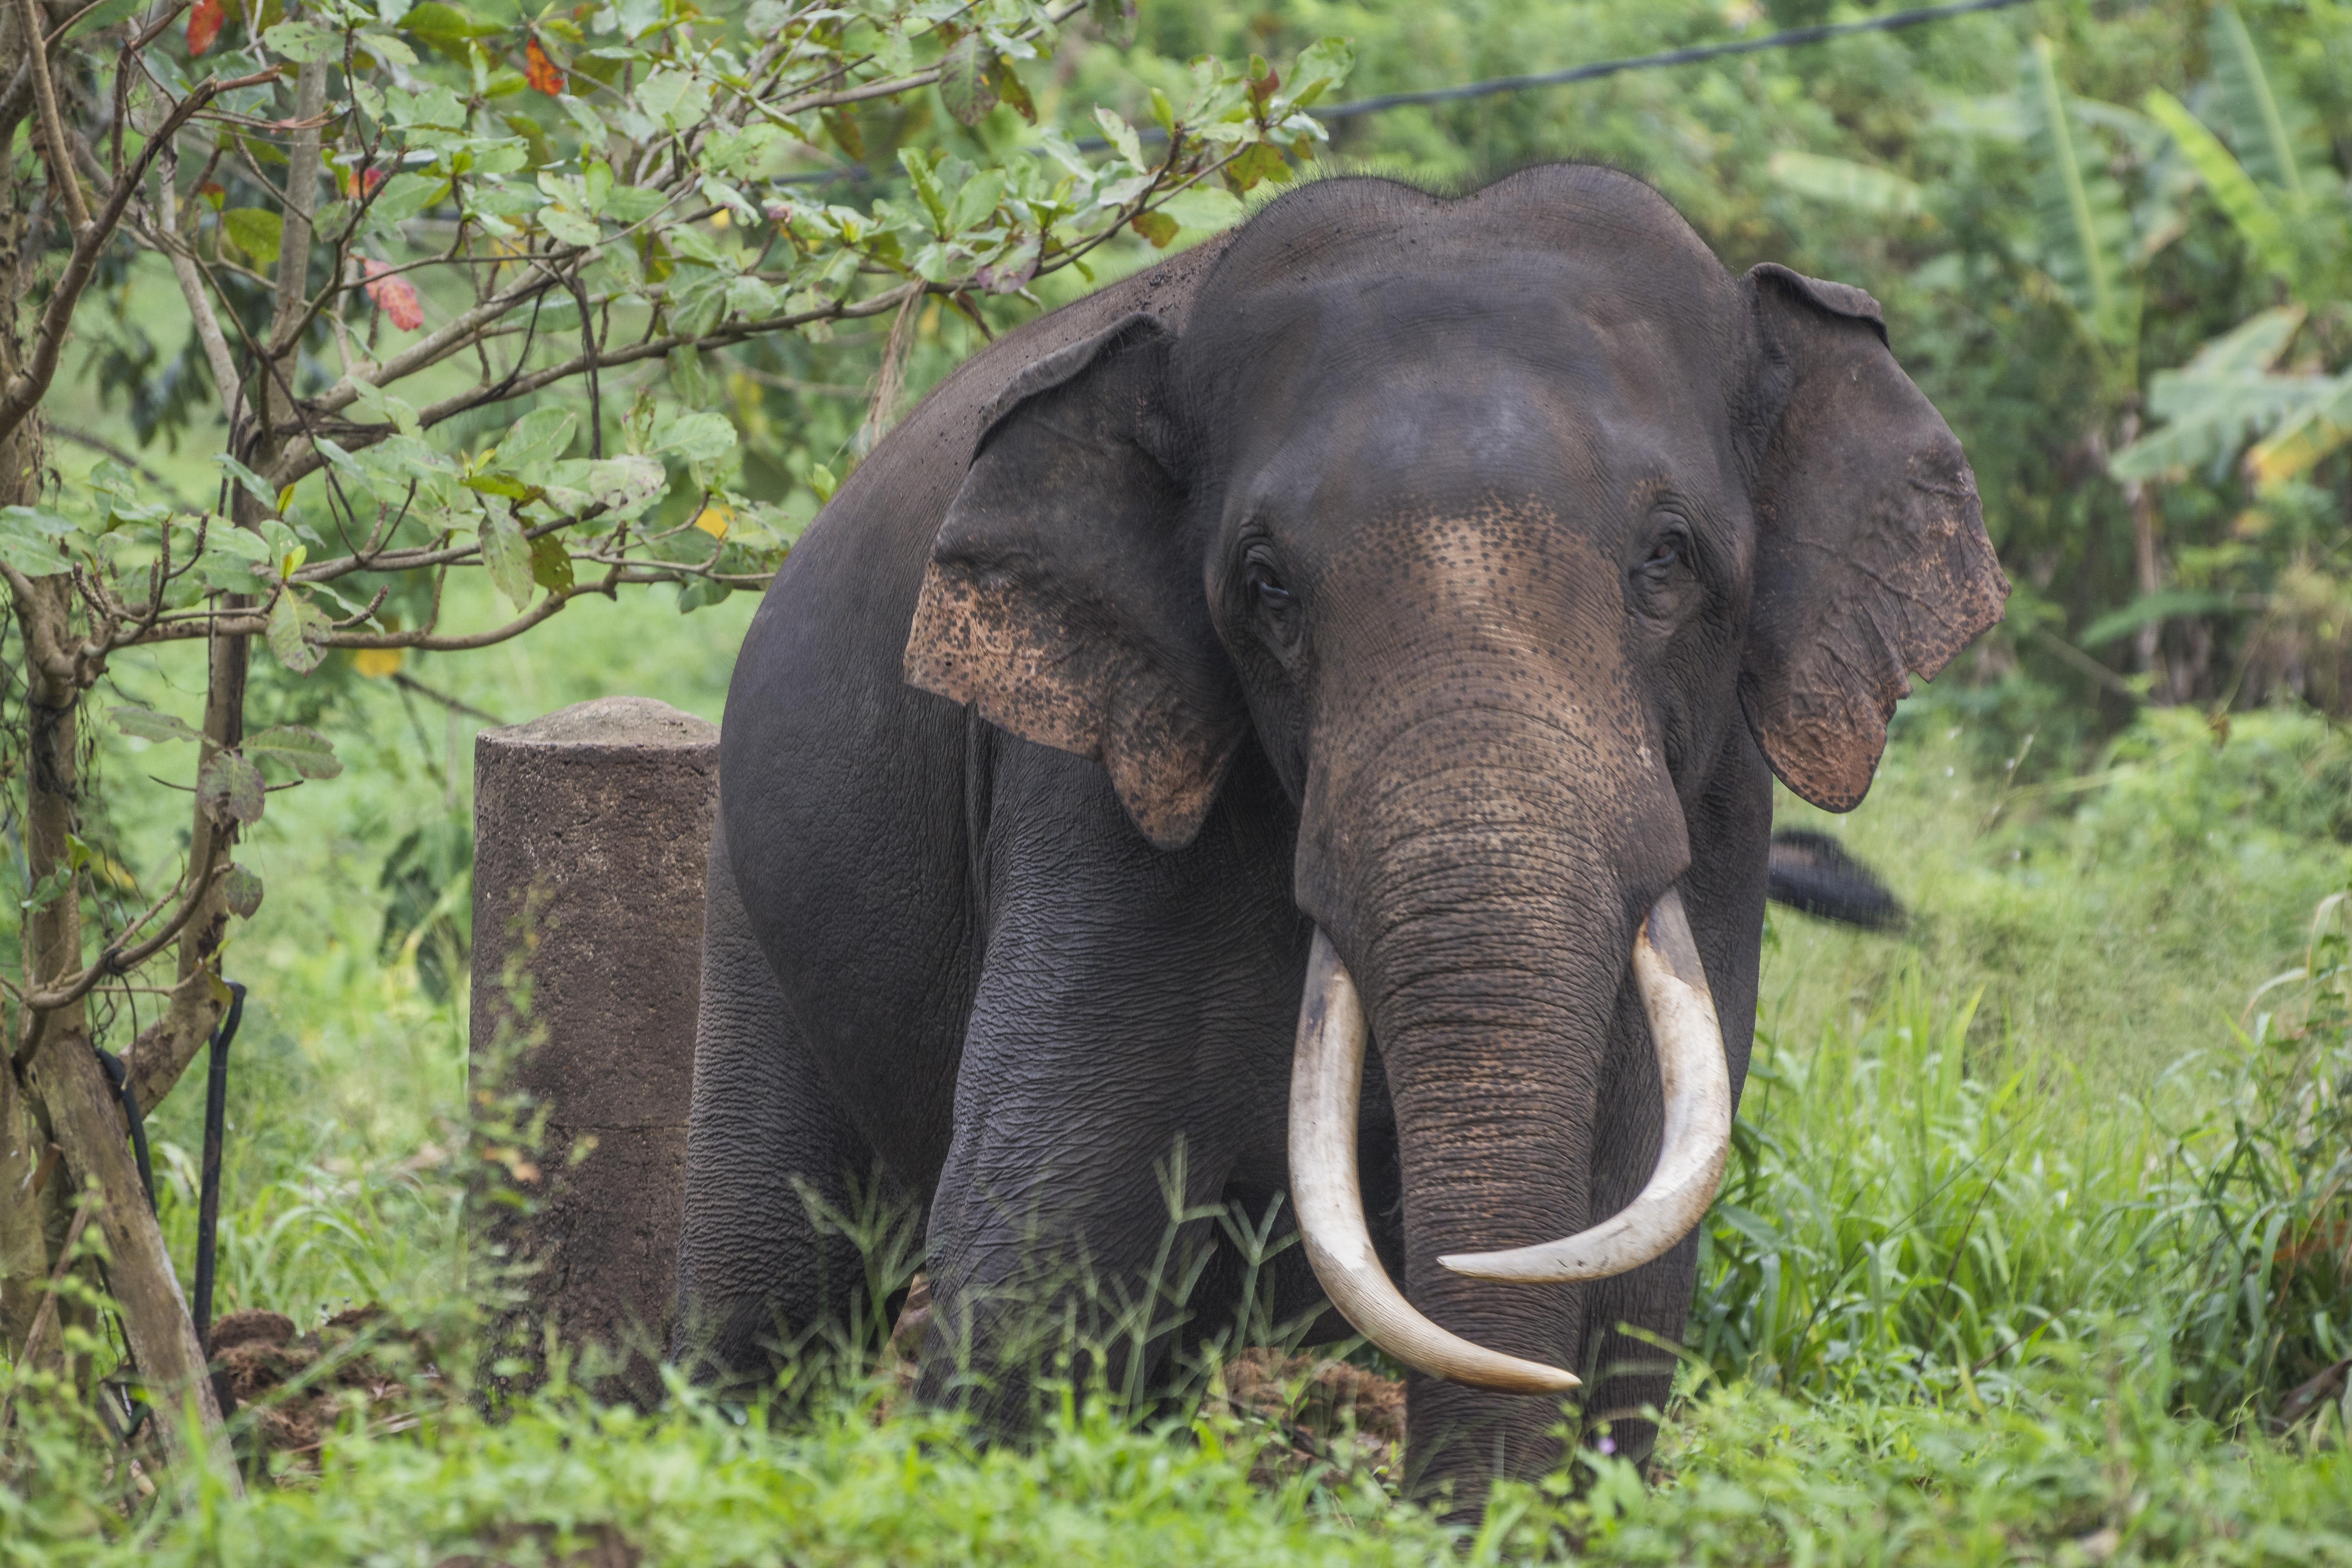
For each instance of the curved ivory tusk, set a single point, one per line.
(1699, 1125)
(1326, 1080)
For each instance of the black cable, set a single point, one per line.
(121, 1081)
(216, 1128)
(1789, 38)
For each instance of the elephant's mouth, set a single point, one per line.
(1326, 1077)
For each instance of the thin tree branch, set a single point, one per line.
(30, 384)
(116, 959)
(127, 457)
(53, 131)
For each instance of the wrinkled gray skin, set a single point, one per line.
(1447, 574)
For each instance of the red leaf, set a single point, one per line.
(541, 72)
(394, 296)
(205, 19)
(358, 183)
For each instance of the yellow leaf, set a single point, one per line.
(713, 521)
(2303, 444)
(721, 218)
(376, 663)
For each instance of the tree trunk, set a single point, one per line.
(55, 1090)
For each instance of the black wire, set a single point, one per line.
(1793, 37)
(215, 1129)
(121, 1081)
(1789, 38)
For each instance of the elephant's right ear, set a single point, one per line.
(1871, 555)
(1061, 600)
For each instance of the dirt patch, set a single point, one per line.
(295, 1386)
(1317, 1412)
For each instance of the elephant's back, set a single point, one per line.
(843, 788)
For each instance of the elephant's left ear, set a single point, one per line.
(1061, 600)
(1871, 555)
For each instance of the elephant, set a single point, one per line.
(1297, 726)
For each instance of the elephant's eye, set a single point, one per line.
(1667, 550)
(1277, 606)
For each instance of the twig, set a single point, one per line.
(116, 959)
(30, 384)
(2087, 665)
(410, 683)
(127, 459)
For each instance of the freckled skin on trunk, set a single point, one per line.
(1449, 574)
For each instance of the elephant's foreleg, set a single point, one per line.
(768, 1269)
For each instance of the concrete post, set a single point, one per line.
(592, 829)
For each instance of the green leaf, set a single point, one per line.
(2248, 210)
(230, 789)
(29, 540)
(2152, 608)
(540, 436)
(49, 890)
(614, 483)
(298, 747)
(1122, 136)
(445, 27)
(405, 196)
(248, 481)
(633, 203)
(253, 231)
(2223, 397)
(304, 41)
(1847, 183)
(2084, 231)
(1258, 162)
(292, 619)
(1321, 66)
(675, 98)
(976, 201)
(241, 890)
(551, 563)
(926, 179)
(1116, 18)
(569, 227)
(104, 16)
(966, 79)
(1156, 227)
(697, 438)
(150, 725)
(1204, 208)
(507, 553)
(2257, 119)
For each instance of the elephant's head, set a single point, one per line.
(1489, 519)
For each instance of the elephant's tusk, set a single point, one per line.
(1697, 1134)
(1326, 1080)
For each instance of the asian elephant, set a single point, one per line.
(1369, 638)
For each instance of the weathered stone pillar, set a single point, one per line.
(592, 828)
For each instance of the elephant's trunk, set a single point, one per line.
(1326, 1082)
(1489, 846)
